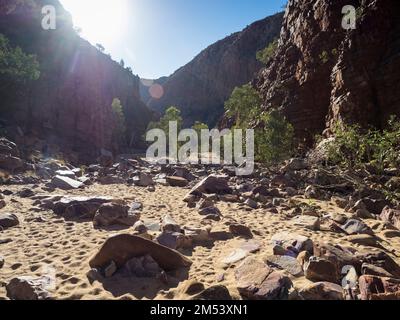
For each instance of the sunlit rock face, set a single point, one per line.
(70, 105)
(201, 87)
(322, 73)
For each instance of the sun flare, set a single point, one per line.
(100, 21)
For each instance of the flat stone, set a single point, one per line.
(353, 226)
(212, 184)
(256, 281)
(66, 173)
(242, 252)
(177, 182)
(322, 291)
(240, 230)
(210, 211)
(170, 225)
(287, 263)
(110, 214)
(307, 222)
(66, 183)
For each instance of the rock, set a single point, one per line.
(197, 235)
(337, 255)
(370, 269)
(65, 183)
(380, 259)
(240, 230)
(143, 267)
(10, 163)
(377, 288)
(177, 182)
(110, 179)
(140, 227)
(214, 293)
(256, 281)
(174, 240)
(392, 216)
(124, 247)
(287, 263)
(393, 184)
(375, 206)
(212, 184)
(205, 203)
(144, 180)
(353, 226)
(251, 204)
(319, 269)
(295, 164)
(312, 192)
(364, 240)
(293, 242)
(8, 220)
(364, 214)
(169, 225)
(1, 262)
(8, 147)
(340, 202)
(114, 214)
(307, 222)
(2, 204)
(26, 193)
(66, 173)
(77, 207)
(303, 258)
(28, 288)
(110, 270)
(214, 211)
(242, 252)
(322, 291)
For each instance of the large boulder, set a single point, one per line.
(66, 183)
(256, 281)
(319, 269)
(212, 184)
(79, 207)
(122, 248)
(8, 220)
(28, 288)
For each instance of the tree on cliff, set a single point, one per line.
(266, 54)
(119, 133)
(15, 65)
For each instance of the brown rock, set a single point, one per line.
(177, 182)
(212, 184)
(318, 269)
(392, 216)
(28, 288)
(256, 281)
(240, 230)
(377, 288)
(322, 291)
(124, 247)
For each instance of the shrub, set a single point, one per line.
(354, 146)
(266, 54)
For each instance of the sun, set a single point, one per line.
(100, 21)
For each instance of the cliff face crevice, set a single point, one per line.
(201, 88)
(70, 104)
(322, 73)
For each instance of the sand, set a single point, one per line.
(44, 243)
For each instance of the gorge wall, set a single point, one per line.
(322, 73)
(70, 104)
(201, 87)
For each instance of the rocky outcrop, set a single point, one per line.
(322, 73)
(70, 104)
(201, 87)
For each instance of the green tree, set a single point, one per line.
(15, 65)
(273, 133)
(119, 120)
(274, 138)
(243, 105)
(266, 54)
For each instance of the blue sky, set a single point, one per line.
(156, 37)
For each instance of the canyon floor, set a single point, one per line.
(44, 240)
